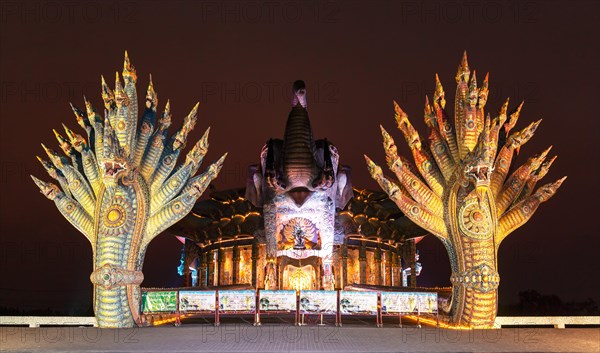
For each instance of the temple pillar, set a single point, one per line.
(186, 276)
(211, 268)
(255, 263)
(320, 274)
(327, 275)
(186, 261)
(388, 268)
(400, 252)
(377, 274)
(337, 267)
(413, 264)
(279, 271)
(220, 266)
(202, 271)
(344, 270)
(396, 277)
(362, 260)
(236, 264)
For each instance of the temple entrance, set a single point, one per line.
(299, 278)
(299, 274)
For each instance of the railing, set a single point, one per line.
(555, 321)
(159, 303)
(36, 321)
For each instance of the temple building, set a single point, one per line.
(298, 223)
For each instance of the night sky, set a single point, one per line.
(239, 59)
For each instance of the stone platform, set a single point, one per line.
(283, 337)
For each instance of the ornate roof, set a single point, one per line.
(224, 214)
(373, 214)
(227, 214)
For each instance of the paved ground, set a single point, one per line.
(282, 337)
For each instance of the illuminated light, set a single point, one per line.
(246, 215)
(434, 323)
(169, 320)
(227, 202)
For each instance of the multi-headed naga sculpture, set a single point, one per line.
(459, 188)
(120, 188)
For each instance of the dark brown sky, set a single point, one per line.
(239, 59)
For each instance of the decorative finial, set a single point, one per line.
(299, 94)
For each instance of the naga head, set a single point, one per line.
(198, 184)
(82, 119)
(180, 137)
(151, 103)
(165, 120)
(410, 133)
(543, 169)
(478, 164)
(517, 139)
(113, 162)
(108, 97)
(77, 141)
(56, 159)
(538, 160)
(389, 146)
(195, 155)
(129, 73)
(390, 188)
(473, 92)
(483, 92)
(478, 170)
(439, 95)
(463, 73)
(50, 168)
(49, 190)
(151, 97)
(545, 192)
(121, 98)
(514, 116)
(63, 143)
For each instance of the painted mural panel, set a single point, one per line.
(194, 301)
(237, 300)
(159, 301)
(277, 300)
(353, 302)
(318, 302)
